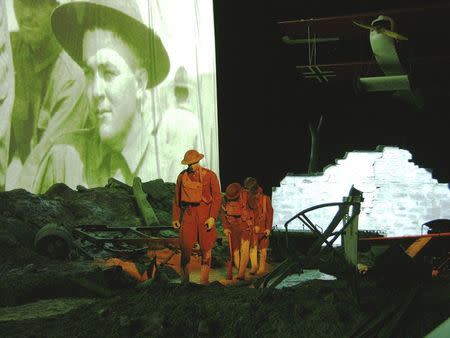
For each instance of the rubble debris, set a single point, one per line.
(152, 303)
(23, 215)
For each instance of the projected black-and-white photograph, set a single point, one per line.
(105, 88)
(6, 92)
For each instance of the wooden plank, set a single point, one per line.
(418, 245)
(145, 209)
(387, 239)
(350, 242)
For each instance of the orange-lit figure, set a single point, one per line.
(195, 209)
(237, 220)
(263, 225)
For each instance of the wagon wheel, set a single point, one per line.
(53, 241)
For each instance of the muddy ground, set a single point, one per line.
(318, 308)
(41, 297)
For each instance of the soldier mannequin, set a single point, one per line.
(263, 225)
(237, 220)
(195, 208)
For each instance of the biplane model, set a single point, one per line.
(403, 50)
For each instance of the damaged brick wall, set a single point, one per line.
(399, 195)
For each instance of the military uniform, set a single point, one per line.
(238, 218)
(193, 228)
(196, 204)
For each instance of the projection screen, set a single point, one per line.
(105, 88)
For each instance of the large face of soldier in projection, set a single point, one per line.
(33, 18)
(115, 84)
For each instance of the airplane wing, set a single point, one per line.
(428, 74)
(338, 72)
(425, 59)
(426, 20)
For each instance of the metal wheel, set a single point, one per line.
(53, 241)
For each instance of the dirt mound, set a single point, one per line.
(174, 311)
(22, 214)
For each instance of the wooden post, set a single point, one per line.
(145, 209)
(350, 236)
(314, 131)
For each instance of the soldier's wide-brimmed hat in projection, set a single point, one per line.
(70, 22)
(181, 79)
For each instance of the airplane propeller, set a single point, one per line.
(382, 30)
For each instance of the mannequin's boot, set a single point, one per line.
(204, 274)
(244, 259)
(254, 260)
(236, 259)
(262, 261)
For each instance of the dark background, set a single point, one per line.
(264, 107)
